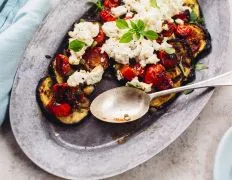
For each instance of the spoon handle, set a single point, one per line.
(221, 80)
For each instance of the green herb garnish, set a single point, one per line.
(150, 35)
(97, 3)
(195, 19)
(126, 38)
(76, 45)
(137, 28)
(122, 24)
(200, 67)
(153, 3)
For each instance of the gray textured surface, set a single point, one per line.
(184, 159)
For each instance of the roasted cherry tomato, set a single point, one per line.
(168, 60)
(183, 30)
(139, 70)
(62, 65)
(170, 31)
(111, 3)
(60, 110)
(184, 16)
(106, 16)
(157, 76)
(64, 93)
(93, 58)
(101, 37)
(128, 72)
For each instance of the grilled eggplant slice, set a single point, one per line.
(45, 97)
(201, 36)
(44, 93)
(197, 37)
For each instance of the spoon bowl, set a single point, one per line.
(126, 104)
(120, 105)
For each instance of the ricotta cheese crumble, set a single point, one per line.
(82, 77)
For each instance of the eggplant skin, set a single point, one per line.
(44, 96)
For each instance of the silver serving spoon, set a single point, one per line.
(126, 104)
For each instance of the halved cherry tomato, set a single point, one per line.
(106, 16)
(101, 37)
(167, 60)
(60, 110)
(128, 72)
(157, 76)
(183, 30)
(62, 65)
(170, 31)
(93, 58)
(183, 16)
(139, 70)
(111, 3)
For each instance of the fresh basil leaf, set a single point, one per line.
(126, 38)
(151, 35)
(76, 45)
(153, 3)
(193, 16)
(122, 24)
(138, 35)
(195, 19)
(200, 66)
(170, 50)
(132, 31)
(133, 25)
(188, 92)
(140, 26)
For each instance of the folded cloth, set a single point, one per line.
(19, 20)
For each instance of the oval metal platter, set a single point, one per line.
(93, 149)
